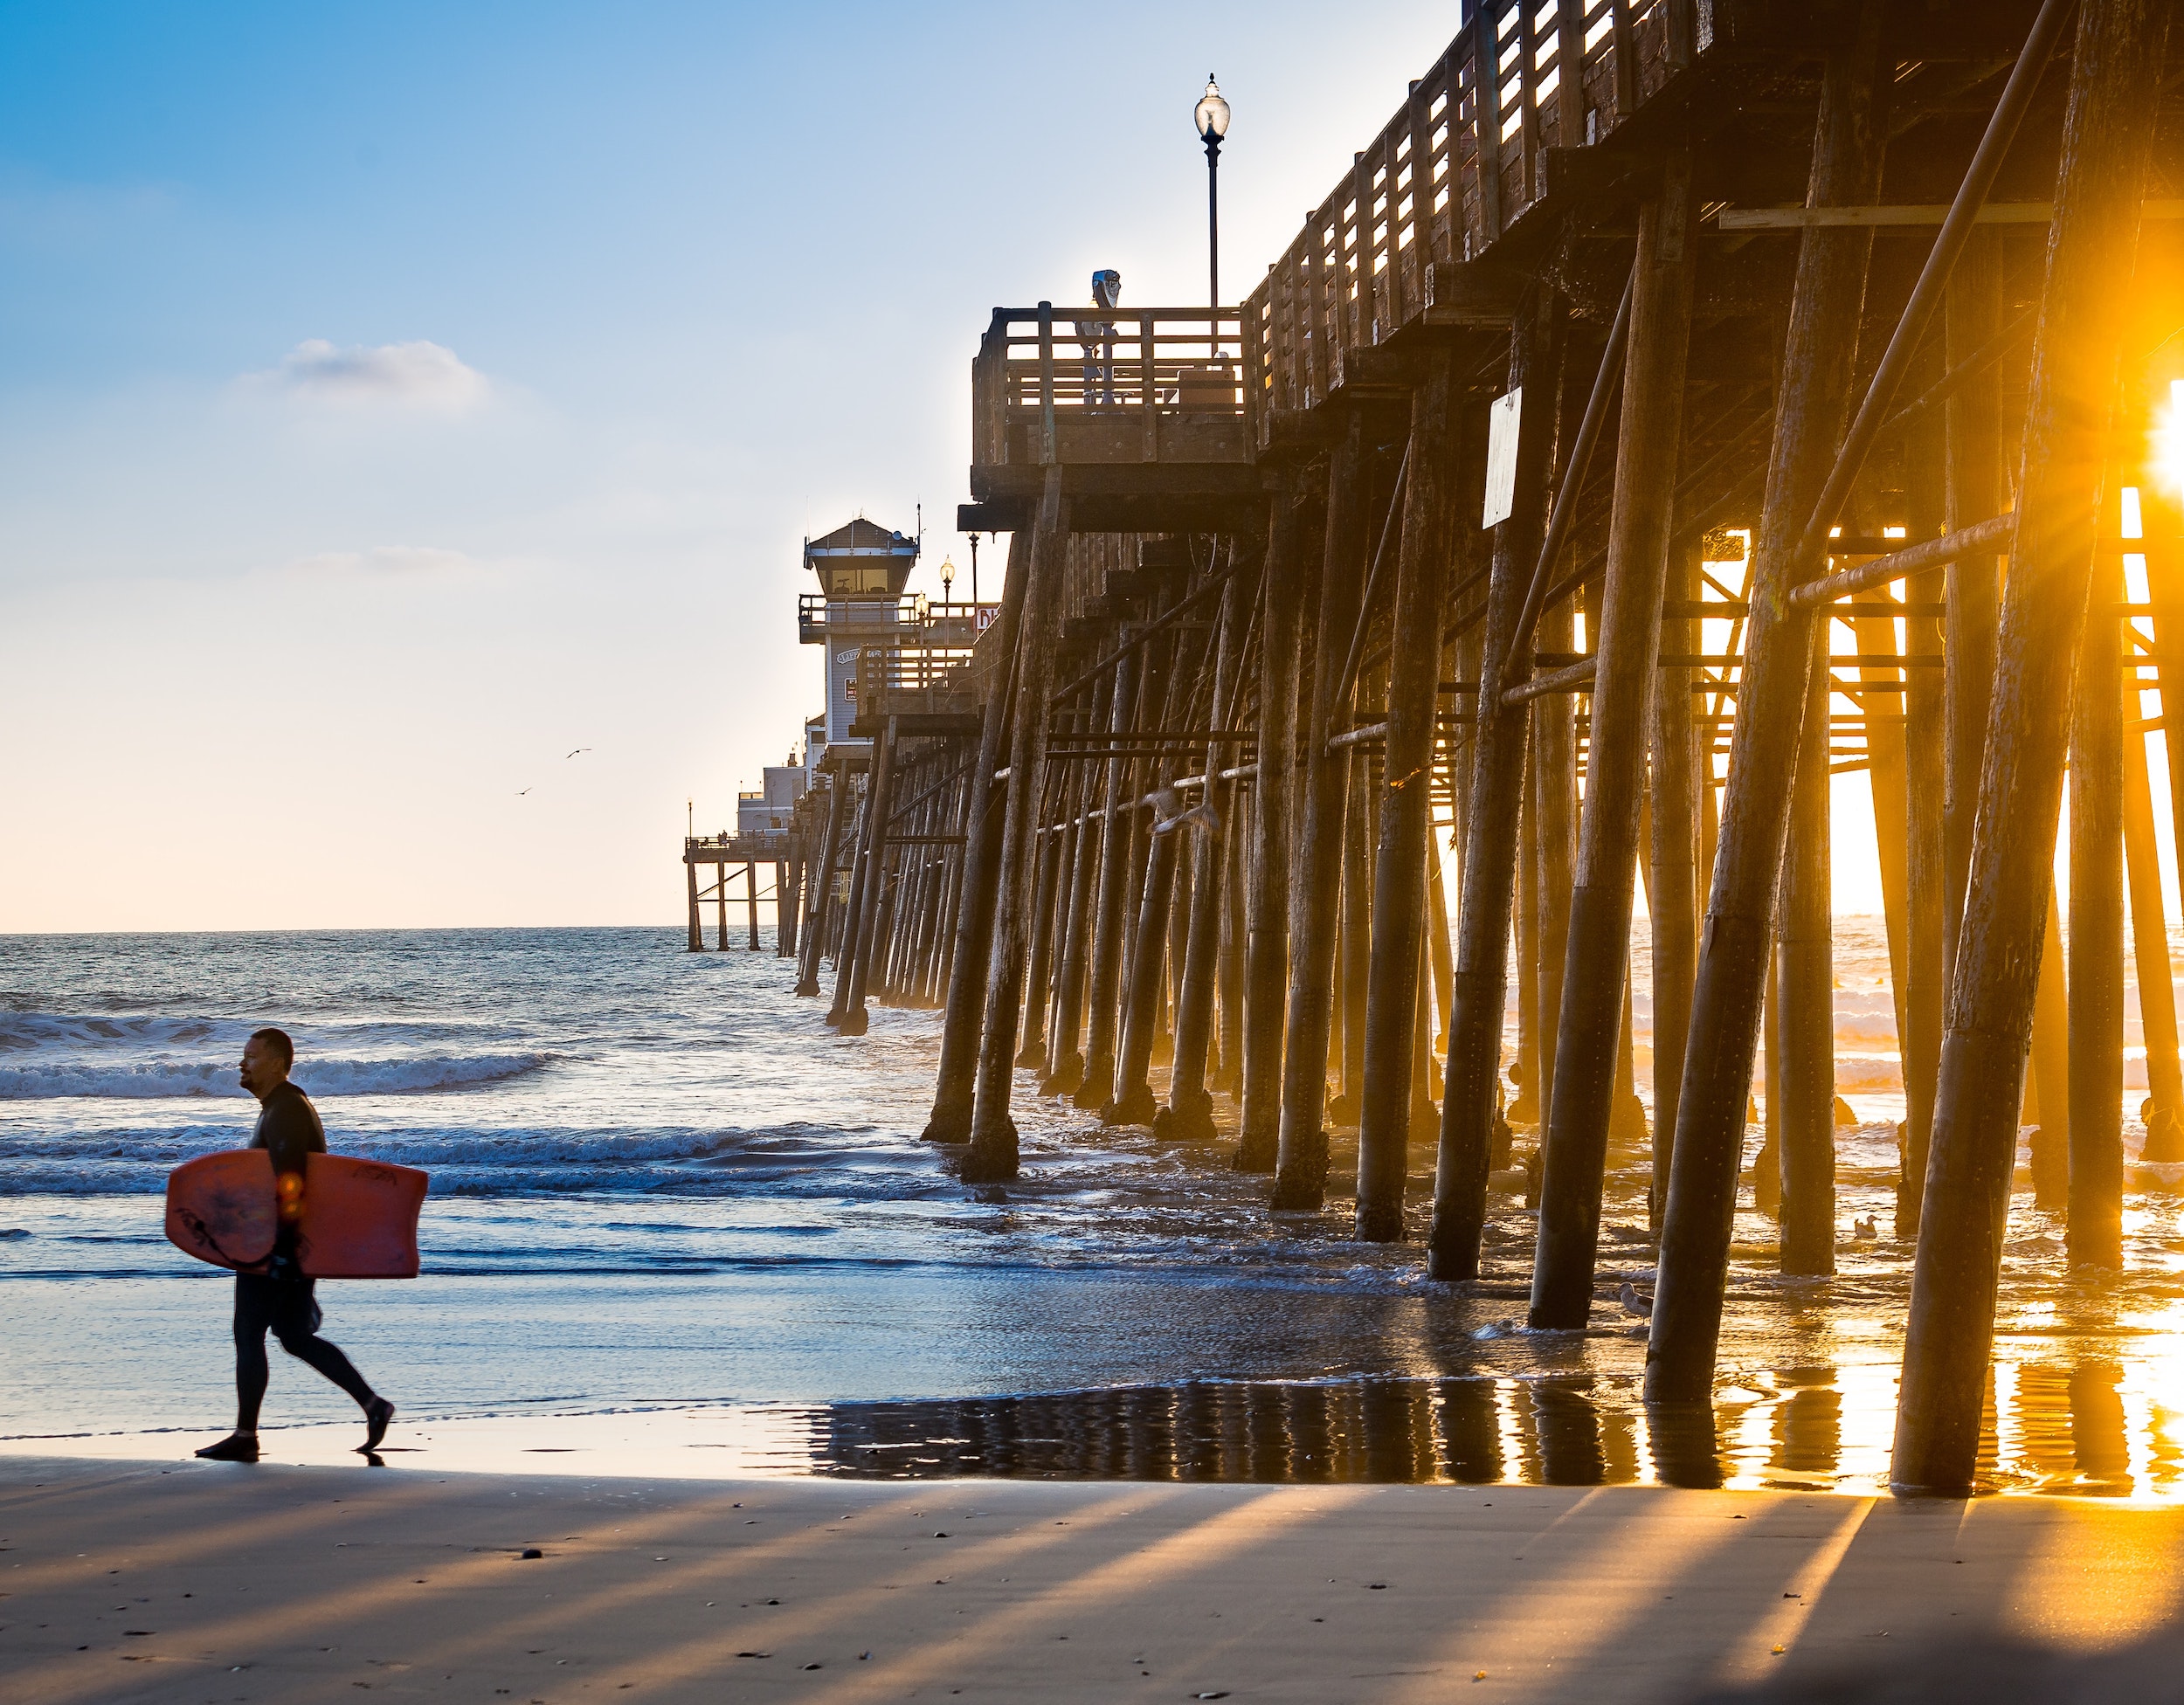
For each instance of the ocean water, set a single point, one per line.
(661, 1186)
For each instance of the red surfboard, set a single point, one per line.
(359, 1217)
(220, 1208)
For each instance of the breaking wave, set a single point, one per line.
(156, 1080)
(45, 1056)
(793, 1159)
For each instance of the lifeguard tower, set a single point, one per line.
(862, 570)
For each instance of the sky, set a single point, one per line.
(397, 399)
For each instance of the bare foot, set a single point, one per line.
(375, 1420)
(235, 1448)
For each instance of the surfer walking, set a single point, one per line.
(282, 1300)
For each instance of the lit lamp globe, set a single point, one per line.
(1211, 116)
(947, 579)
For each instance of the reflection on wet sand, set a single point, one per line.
(2081, 1428)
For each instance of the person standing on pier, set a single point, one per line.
(280, 1300)
(1098, 338)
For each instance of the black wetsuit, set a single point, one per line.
(281, 1299)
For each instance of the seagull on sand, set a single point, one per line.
(1635, 1304)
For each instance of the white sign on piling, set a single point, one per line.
(1502, 416)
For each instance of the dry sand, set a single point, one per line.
(135, 1580)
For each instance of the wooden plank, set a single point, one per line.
(1444, 191)
(1528, 98)
(1681, 22)
(1920, 213)
(1570, 64)
(1149, 385)
(1625, 65)
(1486, 118)
(1047, 382)
(1419, 224)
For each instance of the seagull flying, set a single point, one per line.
(579, 749)
(1169, 815)
(520, 795)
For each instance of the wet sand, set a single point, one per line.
(134, 1580)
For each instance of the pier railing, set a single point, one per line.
(763, 846)
(1090, 384)
(852, 617)
(956, 625)
(907, 679)
(1483, 137)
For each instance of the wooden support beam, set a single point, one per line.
(1923, 213)
(2048, 1104)
(1315, 866)
(969, 954)
(1228, 1074)
(2107, 140)
(1131, 1102)
(1353, 957)
(1672, 895)
(992, 1157)
(1805, 983)
(1973, 422)
(1923, 789)
(2150, 942)
(1553, 788)
(2094, 1227)
(1879, 747)
(814, 942)
(853, 970)
(1048, 898)
(1111, 922)
(1818, 368)
(1581, 1110)
(788, 887)
(1289, 582)
(1065, 1068)
(1928, 293)
(2162, 519)
(1189, 1112)
(1983, 538)
(1405, 809)
(1471, 1097)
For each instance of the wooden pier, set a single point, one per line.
(1675, 406)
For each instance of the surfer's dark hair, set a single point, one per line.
(278, 1042)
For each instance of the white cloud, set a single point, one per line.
(421, 374)
(383, 562)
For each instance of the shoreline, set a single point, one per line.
(126, 1580)
(1458, 1434)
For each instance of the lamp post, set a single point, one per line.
(974, 574)
(947, 579)
(1211, 118)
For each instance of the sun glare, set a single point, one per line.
(2168, 439)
